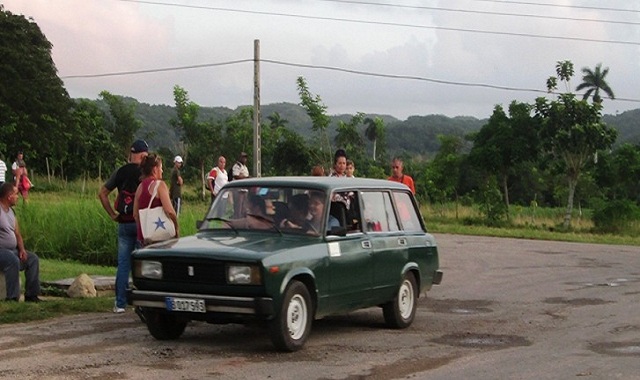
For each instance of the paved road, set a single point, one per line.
(507, 309)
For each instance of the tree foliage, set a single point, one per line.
(594, 81)
(33, 101)
(572, 131)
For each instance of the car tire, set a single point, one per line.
(291, 326)
(163, 326)
(400, 312)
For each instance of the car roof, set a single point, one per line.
(320, 183)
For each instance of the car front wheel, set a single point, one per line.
(163, 326)
(400, 312)
(290, 328)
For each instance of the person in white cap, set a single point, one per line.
(175, 189)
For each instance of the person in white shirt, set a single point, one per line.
(240, 171)
(217, 177)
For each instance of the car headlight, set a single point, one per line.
(148, 269)
(243, 275)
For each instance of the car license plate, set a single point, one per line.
(185, 304)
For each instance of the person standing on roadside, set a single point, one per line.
(217, 177)
(398, 176)
(175, 189)
(151, 168)
(240, 171)
(13, 256)
(21, 176)
(3, 172)
(126, 179)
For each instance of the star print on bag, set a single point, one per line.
(160, 224)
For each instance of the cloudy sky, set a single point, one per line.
(396, 57)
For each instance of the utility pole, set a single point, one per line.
(257, 141)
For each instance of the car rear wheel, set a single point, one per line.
(290, 328)
(400, 312)
(163, 326)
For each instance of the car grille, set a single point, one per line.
(211, 273)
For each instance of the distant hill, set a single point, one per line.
(628, 126)
(417, 135)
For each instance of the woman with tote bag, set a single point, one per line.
(155, 217)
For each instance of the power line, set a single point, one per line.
(547, 17)
(148, 71)
(511, 34)
(560, 6)
(321, 67)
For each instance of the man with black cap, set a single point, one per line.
(126, 180)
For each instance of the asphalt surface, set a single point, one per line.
(507, 309)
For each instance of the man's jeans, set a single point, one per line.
(11, 265)
(127, 242)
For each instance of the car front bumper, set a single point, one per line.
(258, 306)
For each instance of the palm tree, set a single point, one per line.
(594, 81)
(276, 121)
(371, 133)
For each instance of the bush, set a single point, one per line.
(616, 216)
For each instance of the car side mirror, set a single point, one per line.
(199, 224)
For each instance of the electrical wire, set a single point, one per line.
(329, 68)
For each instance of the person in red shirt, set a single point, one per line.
(398, 176)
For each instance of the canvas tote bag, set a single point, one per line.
(155, 224)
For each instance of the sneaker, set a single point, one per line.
(33, 299)
(118, 310)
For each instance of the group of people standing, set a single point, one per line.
(20, 175)
(136, 181)
(344, 167)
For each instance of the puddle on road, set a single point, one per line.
(576, 301)
(464, 307)
(482, 340)
(617, 348)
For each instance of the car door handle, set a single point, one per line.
(402, 241)
(366, 244)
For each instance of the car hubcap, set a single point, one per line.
(405, 300)
(297, 317)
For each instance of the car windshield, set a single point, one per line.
(284, 210)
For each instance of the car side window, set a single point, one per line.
(346, 208)
(378, 212)
(409, 216)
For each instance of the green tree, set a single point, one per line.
(505, 142)
(375, 128)
(276, 121)
(594, 81)
(317, 111)
(199, 139)
(349, 138)
(124, 122)
(442, 176)
(572, 130)
(34, 105)
(91, 150)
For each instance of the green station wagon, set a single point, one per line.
(286, 251)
